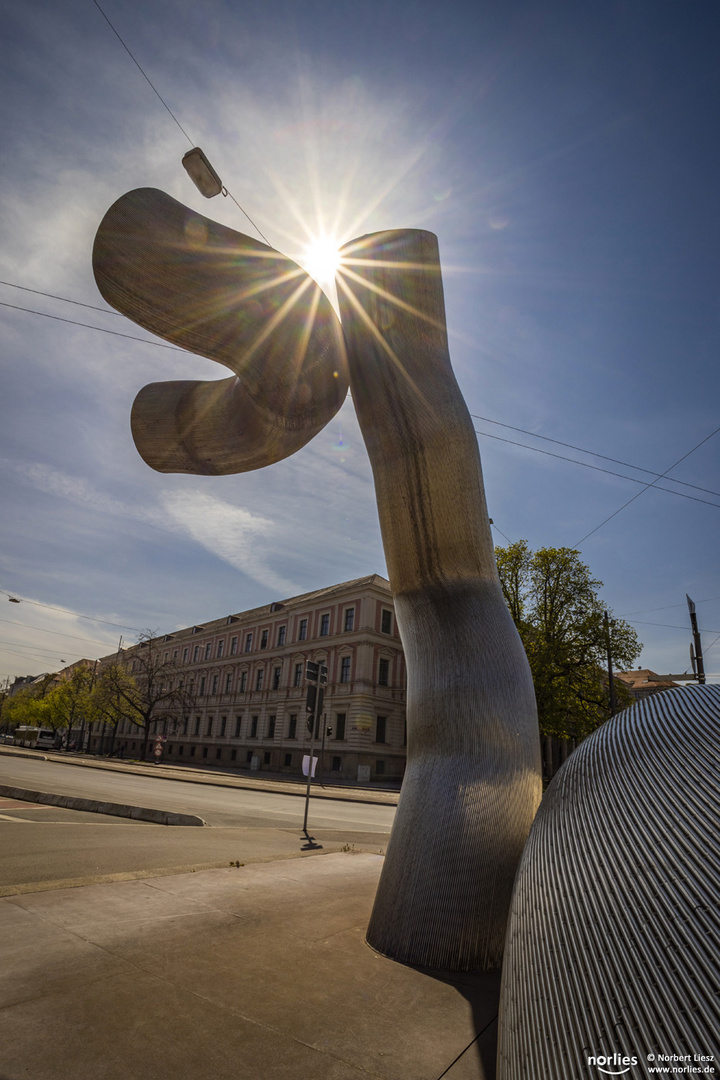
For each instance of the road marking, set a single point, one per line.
(6, 817)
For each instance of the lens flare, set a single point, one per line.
(321, 259)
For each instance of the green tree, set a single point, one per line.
(555, 605)
(70, 703)
(108, 704)
(27, 706)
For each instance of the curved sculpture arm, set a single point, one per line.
(472, 782)
(230, 298)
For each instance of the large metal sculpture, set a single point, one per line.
(613, 951)
(472, 783)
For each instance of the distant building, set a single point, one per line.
(248, 671)
(643, 682)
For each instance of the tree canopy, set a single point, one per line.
(555, 605)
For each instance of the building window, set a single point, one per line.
(218, 753)
(324, 625)
(169, 749)
(233, 646)
(249, 756)
(380, 726)
(379, 768)
(345, 668)
(243, 682)
(349, 619)
(260, 675)
(383, 671)
(238, 723)
(276, 678)
(292, 726)
(233, 755)
(386, 623)
(197, 725)
(288, 760)
(209, 726)
(253, 727)
(302, 630)
(181, 749)
(266, 757)
(282, 630)
(223, 725)
(192, 751)
(297, 681)
(271, 727)
(340, 725)
(228, 682)
(216, 679)
(186, 721)
(336, 763)
(248, 642)
(202, 686)
(220, 649)
(186, 654)
(196, 654)
(208, 650)
(205, 750)
(264, 639)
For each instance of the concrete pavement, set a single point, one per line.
(253, 973)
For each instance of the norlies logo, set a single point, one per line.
(601, 1063)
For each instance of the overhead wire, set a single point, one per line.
(599, 468)
(67, 611)
(668, 607)
(144, 75)
(592, 453)
(647, 487)
(65, 299)
(89, 326)
(172, 114)
(56, 633)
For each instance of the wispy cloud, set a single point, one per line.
(230, 532)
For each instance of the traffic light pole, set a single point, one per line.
(310, 762)
(314, 673)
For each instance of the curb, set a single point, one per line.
(70, 802)
(184, 773)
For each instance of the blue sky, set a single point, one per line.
(567, 157)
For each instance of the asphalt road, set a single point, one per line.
(49, 847)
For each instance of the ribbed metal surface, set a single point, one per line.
(472, 783)
(613, 943)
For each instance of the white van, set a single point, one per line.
(33, 737)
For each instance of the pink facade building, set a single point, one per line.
(247, 671)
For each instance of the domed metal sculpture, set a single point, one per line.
(612, 957)
(472, 783)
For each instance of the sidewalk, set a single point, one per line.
(219, 778)
(252, 973)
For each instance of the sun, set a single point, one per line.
(321, 259)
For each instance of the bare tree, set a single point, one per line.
(142, 687)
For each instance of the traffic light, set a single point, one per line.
(328, 732)
(312, 699)
(315, 672)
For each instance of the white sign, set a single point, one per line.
(306, 764)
